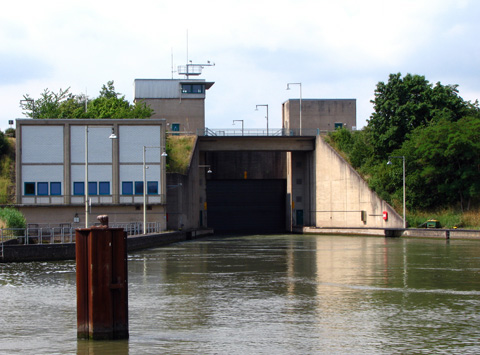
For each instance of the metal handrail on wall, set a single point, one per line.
(260, 132)
(61, 235)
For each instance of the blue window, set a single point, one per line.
(104, 188)
(127, 188)
(152, 187)
(79, 188)
(138, 187)
(42, 188)
(29, 188)
(92, 187)
(55, 188)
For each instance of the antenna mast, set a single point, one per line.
(190, 68)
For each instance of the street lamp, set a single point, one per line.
(164, 154)
(238, 121)
(288, 88)
(390, 163)
(256, 109)
(112, 136)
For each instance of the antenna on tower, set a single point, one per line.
(191, 68)
(173, 71)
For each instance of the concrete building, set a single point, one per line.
(319, 114)
(245, 183)
(181, 102)
(51, 170)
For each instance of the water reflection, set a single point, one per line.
(264, 294)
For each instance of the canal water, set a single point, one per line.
(264, 294)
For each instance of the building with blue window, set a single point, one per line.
(52, 169)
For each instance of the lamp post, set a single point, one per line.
(164, 154)
(238, 121)
(404, 208)
(288, 88)
(112, 136)
(256, 109)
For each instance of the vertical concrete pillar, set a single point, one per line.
(102, 292)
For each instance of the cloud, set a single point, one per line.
(17, 68)
(337, 49)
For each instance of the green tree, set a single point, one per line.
(434, 128)
(47, 106)
(4, 146)
(446, 155)
(403, 104)
(109, 104)
(355, 145)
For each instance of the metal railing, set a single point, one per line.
(158, 199)
(37, 234)
(260, 132)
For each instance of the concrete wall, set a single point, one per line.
(341, 195)
(186, 196)
(189, 113)
(300, 189)
(51, 252)
(319, 114)
(56, 215)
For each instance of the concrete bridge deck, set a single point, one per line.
(257, 143)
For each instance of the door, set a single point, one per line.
(175, 127)
(299, 217)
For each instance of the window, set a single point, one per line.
(79, 188)
(29, 188)
(42, 188)
(127, 188)
(138, 187)
(152, 187)
(186, 88)
(104, 188)
(193, 88)
(92, 187)
(55, 188)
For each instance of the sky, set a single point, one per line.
(336, 49)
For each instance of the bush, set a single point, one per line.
(10, 132)
(12, 218)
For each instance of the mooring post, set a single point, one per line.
(102, 289)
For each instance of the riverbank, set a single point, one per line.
(432, 233)
(66, 251)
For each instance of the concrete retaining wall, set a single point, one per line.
(395, 232)
(342, 195)
(53, 252)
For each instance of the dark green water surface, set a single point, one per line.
(264, 294)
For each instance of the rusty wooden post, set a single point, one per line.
(102, 290)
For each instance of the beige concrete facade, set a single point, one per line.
(341, 195)
(188, 114)
(319, 115)
(118, 214)
(52, 152)
(186, 196)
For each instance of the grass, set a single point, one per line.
(7, 174)
(448, 218)
(179, 150)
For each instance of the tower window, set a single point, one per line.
(193, 88)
